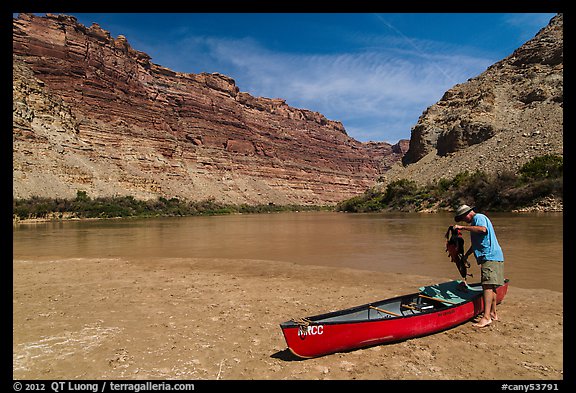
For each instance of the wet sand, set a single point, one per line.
(196, 319)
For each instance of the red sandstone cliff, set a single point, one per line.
(91, 113)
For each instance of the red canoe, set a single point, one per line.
(433, 309)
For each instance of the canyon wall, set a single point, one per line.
(91, 113)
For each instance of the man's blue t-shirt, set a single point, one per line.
(485, 246)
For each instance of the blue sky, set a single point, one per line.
(376, 73)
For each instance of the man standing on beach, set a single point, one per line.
(488, 254)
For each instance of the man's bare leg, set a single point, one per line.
(493, 314)
(489, 297)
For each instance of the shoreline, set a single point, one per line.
(545, 207)
(207, 318)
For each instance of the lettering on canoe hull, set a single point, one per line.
(448, 312)
(311, 330)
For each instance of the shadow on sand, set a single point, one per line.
(286, 355)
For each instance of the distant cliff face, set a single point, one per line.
(91, 113)
(496, 121)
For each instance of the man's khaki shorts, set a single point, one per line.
(492, 273)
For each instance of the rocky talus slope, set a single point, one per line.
(496, 121)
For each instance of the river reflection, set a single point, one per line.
(390, 242)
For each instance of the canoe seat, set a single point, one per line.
(453, 292)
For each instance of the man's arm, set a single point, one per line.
(472, 228)
(467, 254)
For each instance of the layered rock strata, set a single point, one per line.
(92, 113)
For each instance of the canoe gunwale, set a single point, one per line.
(321, 318)
(439, 306)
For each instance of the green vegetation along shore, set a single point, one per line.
(539, 178)
(127, 206)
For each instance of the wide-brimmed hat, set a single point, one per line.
(462, 211)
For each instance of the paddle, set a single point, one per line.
(384, 311)
(438, 299)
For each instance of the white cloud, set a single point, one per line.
(378, 94)
(528, 22)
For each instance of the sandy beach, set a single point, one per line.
(218, 319)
